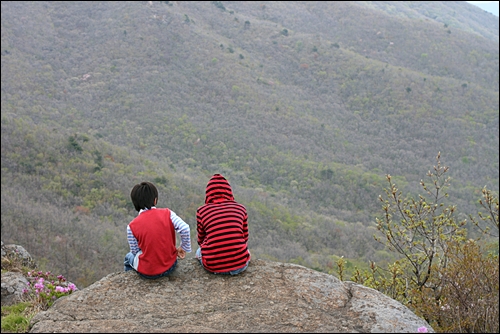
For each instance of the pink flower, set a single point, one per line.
(422, 329)
(71, 286)
(61, 289)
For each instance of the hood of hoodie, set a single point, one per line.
(218, 190)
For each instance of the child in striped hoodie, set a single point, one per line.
(151, 235)
(222, 230)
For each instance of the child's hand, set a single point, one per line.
(181, 253)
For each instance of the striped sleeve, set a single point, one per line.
(183, 229)
(132, 241)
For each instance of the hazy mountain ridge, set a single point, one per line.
(490, 7)
(289, 106)
(396, 40)
(455, 14)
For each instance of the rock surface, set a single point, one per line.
(13, 283)
(267, 297)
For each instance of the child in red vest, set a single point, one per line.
(151, 235)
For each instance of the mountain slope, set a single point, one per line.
(303, 106)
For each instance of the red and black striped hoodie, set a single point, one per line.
(222, 228)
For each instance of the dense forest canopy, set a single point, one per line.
(303, 106)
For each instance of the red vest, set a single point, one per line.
(155, 235)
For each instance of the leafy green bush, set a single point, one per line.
(445, 278)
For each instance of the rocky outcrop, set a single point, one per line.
(13, 285)
(267, 297)
(14, 282)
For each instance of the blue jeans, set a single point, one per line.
(129, 262)
(232, 272)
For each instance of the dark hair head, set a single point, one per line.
(143, 195)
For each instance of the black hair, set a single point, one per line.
(143, 195)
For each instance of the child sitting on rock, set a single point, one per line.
(222, 226)
(151, 235)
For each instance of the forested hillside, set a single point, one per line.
(303, 106)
